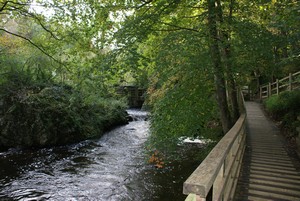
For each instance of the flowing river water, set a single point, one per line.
(112, 168)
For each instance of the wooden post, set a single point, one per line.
(260, 93)
(290, 82)
(249, 92)
(269, 90)
(277, 86)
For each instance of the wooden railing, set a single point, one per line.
(216, 177)
(288, 83)
(219, 171)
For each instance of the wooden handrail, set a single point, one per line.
(288, 83)
(220, 169)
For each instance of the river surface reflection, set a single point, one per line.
(113, 167)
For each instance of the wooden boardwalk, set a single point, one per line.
(269, 170)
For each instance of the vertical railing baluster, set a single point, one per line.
(277, 86)
(290, 82)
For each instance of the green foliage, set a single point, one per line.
(56, 84)
(181, 92)
(35, 114)
(159, 44)
(285, 108)
(186, 109)
(286, 102)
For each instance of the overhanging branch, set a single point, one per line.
(144, 4)
(179, 27)
(42, 25)
(35, 45)
(19, 8)
(3, 7)
(14, 4)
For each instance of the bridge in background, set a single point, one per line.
(135, 95)
(251, 162)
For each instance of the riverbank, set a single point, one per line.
(49, 114)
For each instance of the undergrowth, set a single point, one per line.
(38, 114)
(285, 109)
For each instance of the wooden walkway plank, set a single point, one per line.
(268, 172)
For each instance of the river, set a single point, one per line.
(112, 168)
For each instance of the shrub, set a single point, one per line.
(36, 115)
(285, 108)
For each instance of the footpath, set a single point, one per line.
(269, 170)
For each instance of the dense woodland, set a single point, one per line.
(62, 60)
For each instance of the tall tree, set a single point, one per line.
(225, 38)
(168, 42)
(218, 65)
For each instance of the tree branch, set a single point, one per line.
(195, 16)
(144, 4)
(14, 4)
(165, 30)
(42, 25)
(17, 3)
(35, 45)
(19, 8)
(179, 27)
(2, 8)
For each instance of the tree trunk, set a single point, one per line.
(225, 39)
(217, 67)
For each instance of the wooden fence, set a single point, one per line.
(220, 169)
(216, 177)
(288, 83)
